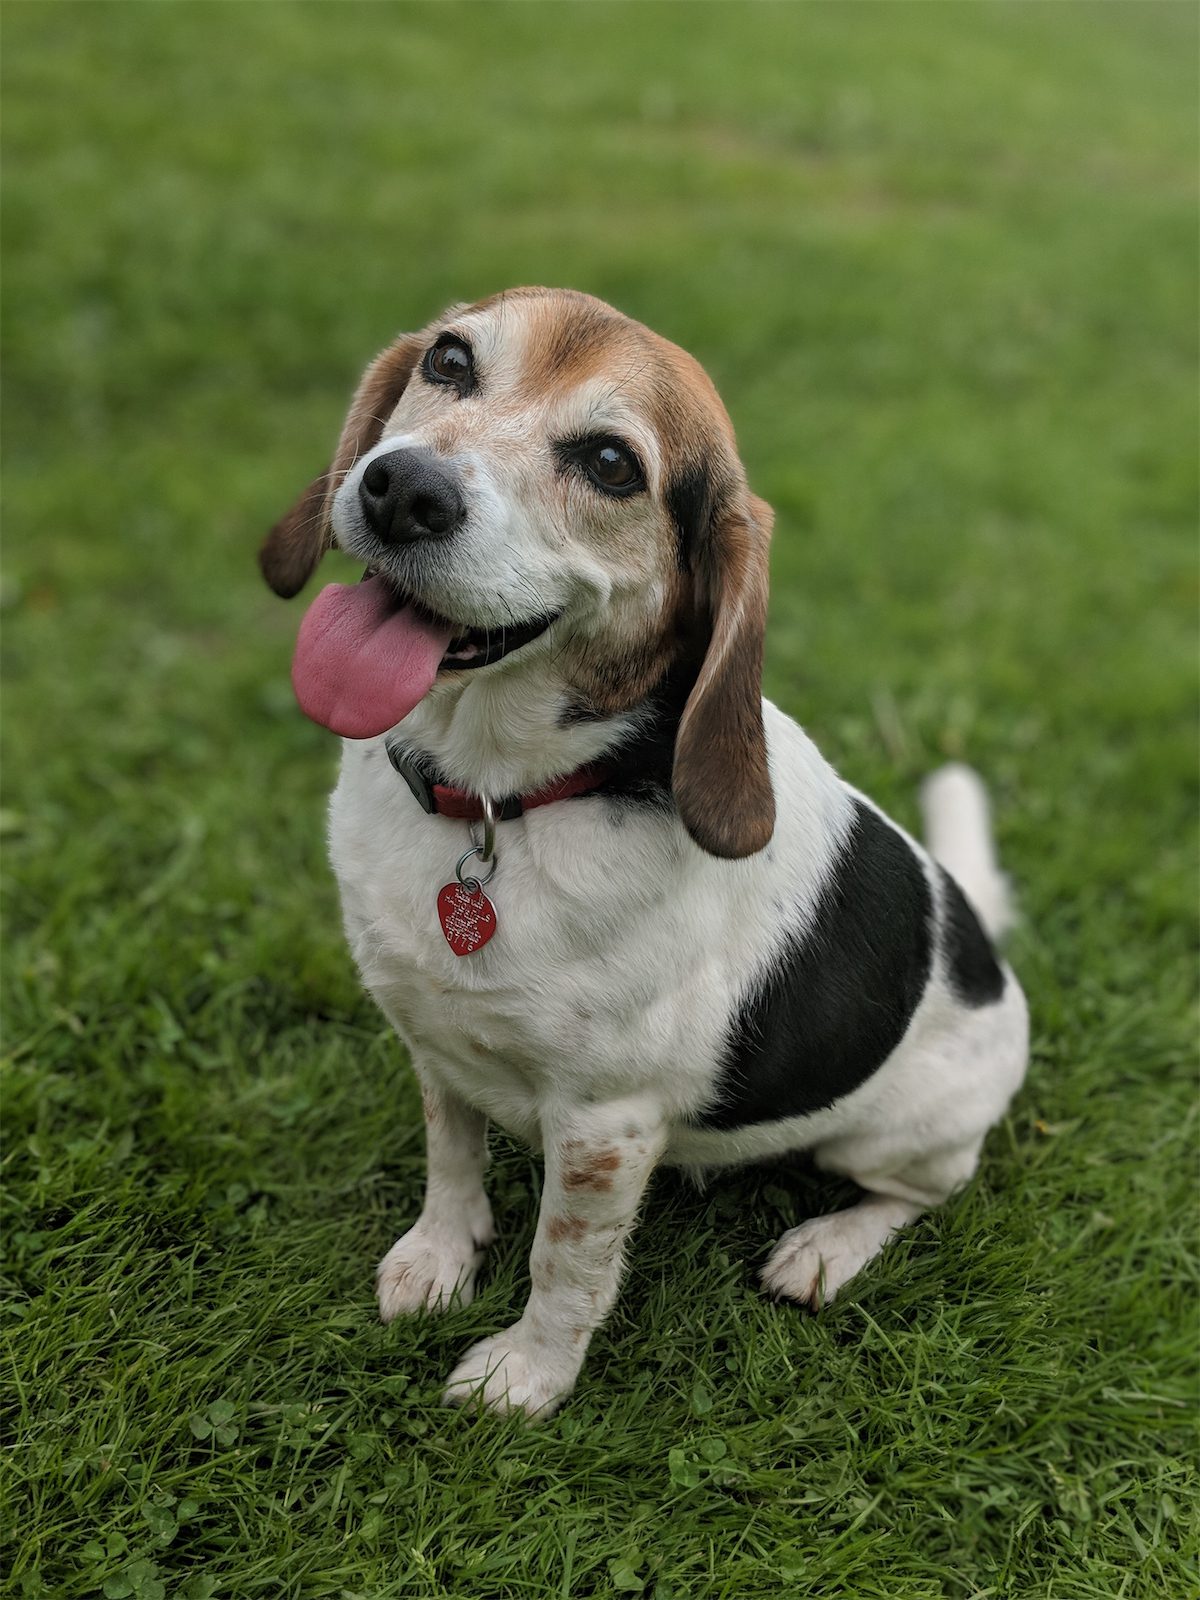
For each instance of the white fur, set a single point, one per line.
(595, 1021)
(958, 831)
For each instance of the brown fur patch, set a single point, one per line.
(608, 677)
(286, 557)
(721, 779)
(291, 551)
(560, 1228)
(593, 1173)
(570, 337)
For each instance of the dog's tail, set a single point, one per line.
(958, 833)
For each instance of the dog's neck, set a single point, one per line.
(508, 733)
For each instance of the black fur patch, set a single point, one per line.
(580, 710)
(841, 997)
(639, 770)
(689, 499)
(971, 964)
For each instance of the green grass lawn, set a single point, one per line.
(941, 262)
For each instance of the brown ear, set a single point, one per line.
(290, 552)
(721, 781)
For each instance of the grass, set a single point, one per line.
(940, 260)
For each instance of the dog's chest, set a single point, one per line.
(599, 964)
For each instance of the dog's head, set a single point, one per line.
(539, 484)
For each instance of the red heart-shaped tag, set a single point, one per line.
(467, 916)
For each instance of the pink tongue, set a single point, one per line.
(361, 664)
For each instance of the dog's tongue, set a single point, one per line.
(362, 662)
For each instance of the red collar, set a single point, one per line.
(442, 800)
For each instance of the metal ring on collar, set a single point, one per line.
(474, 883)
(487, 851)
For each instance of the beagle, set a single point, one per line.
(609, 897)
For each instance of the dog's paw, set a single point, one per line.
(812, 1262)
(425, 1269)
(506, 1374)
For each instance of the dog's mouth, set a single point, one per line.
(479, 647)
(469, 647)
(367, 653)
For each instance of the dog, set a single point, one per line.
(608, 896)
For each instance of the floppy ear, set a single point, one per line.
(290, 552)
(721, 781)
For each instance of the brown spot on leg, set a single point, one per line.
(593, 1172)
(560, 1228)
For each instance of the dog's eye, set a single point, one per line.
(607, 464)
(449, 361)
(611, 467)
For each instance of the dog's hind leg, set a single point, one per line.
(439, 1256)
(812, 1262)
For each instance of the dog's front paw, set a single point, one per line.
(425, 1270)
(509, 1373)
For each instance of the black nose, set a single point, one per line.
(409, 495)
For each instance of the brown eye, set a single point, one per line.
(450, 362)
(610, 466)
